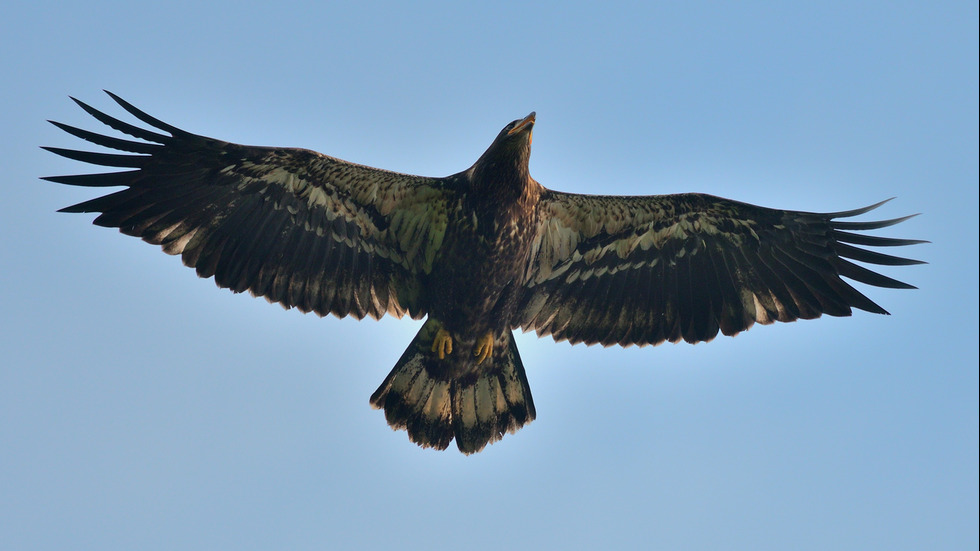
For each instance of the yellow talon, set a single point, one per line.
(442, 344)
(484, 347)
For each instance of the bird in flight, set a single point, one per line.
(478, 254)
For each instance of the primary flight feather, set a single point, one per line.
(479, 253)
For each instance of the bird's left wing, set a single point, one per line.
(644, 270)
(297, 227)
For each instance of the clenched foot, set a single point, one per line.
(484, 347)
(442, 344)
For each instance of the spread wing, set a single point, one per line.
(292, 225)
(642, 270)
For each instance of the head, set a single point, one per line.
(519, 129)
(511, 150)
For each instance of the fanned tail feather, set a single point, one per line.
(437, 401)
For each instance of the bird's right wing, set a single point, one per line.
(295, 226)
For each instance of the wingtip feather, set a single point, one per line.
(858, 211)
(148, 119)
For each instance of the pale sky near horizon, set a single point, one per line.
(144, 408)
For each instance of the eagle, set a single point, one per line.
(478, 254)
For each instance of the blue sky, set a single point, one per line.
(143, 408)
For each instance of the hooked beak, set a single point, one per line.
(526, 124)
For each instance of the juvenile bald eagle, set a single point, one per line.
(480, 253)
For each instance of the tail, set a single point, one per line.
(456, 397)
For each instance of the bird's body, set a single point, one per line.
(475, 279)
(480, 253)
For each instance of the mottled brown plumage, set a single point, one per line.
(480, 253)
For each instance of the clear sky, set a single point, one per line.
(144, 408)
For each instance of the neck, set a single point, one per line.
(500, 168)
(499, 182)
